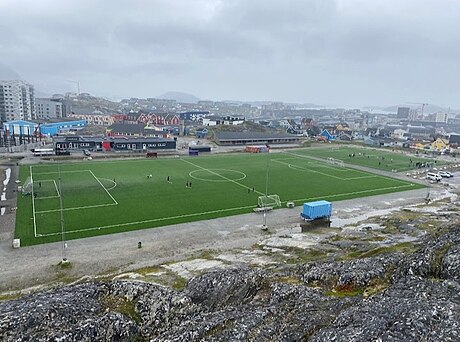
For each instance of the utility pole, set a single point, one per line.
(64, 260)
(264, 226)
(78, 85)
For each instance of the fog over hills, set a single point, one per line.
(7, 73)
(179, 97)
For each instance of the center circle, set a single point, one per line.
(217, 175)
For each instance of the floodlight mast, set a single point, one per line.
(64, 245)
(266, 191)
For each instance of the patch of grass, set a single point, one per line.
(437, 258)
(179, 283)
(376, 238)
(300, 255)
(339, 237)
(289, 280)
(65, 264)
(403, 247)
(9, 296)
(207, 254)
(120, 305)
(149, 269)
(348, 290)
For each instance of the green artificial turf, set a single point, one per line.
(116, 196)
(376, 158)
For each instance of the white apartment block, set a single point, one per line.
(47, 109)
(441, 117)
(17, 100)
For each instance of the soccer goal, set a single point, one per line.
(269, 201)
(337, 162)
(28, 186)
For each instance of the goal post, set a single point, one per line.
(28, 186)
(336, 162)
(268, 201)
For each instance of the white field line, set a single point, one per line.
(33, 203)
(300, 168)
(57, 190)
(110, 180)
(152, 220)
(307, 157)
(76, 208)
(217, 211)
(55, 172)
(353, 193)
(315, 164)
(108, 193)
(219, 175)
(55, 186)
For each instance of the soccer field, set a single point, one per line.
(376, 158)
(116, 196)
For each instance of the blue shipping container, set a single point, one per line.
(316, 210)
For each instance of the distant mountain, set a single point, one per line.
(6, 73)
(179, 97)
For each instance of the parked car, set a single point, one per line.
(445, 174)
(433, 176)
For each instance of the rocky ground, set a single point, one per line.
(394, 296)
(388, 269)
(394, 277)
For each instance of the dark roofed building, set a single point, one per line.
(454, 140)
(251, 138)
(70, 143)
(138, 130)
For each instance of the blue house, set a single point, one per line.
(20, 128)
(325, 133)
(61, 126)
(31, 128)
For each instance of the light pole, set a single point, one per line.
(64, 244)
(264, 226)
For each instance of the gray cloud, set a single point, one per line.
(344, 52)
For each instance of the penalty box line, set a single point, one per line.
(294, 167)
(357, 192)
(219, 175)
(151, 220)
(55, 186)
(74, 208)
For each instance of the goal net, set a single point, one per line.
(28, 186)
(337, 162)
(269, 201)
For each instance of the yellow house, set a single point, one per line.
(418, 146)
(439, 144)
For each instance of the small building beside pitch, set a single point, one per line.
(254, 138)
(134, 144)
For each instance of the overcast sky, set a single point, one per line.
(329, 52)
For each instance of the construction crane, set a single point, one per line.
(420, 103)
(78, 85)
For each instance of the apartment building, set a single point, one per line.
(17, 100)
(47, 108)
